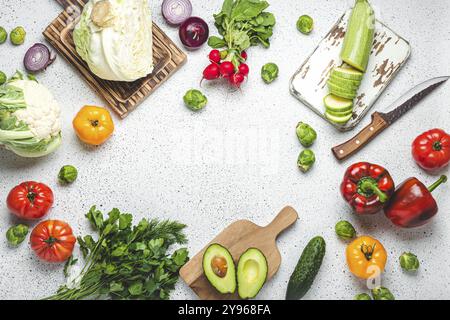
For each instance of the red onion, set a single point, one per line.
(194, 32)
(176, 11)
(38, 58)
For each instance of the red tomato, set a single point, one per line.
(30, 200)
(431, 150)
(52, 240)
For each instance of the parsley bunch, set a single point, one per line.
(127, 262)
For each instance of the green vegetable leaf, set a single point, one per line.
(136, 288)
(216, 42)
(125, 221)
(180, 256)
(248, 9)
(95, 217)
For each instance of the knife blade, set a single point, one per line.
(381, 121)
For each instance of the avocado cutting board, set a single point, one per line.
(122, 97)
(237, 238)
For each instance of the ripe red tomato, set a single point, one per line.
(431, 150)
(30, 200)
(52, 240)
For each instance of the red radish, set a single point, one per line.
(211, 72)
(214, 56)
(236, 80)
(244, 55)
(243, 69)
(226, 69)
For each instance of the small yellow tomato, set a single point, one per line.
(366, 257)
(93, 125)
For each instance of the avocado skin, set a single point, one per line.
(306, 270)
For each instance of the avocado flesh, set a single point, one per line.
(251, 273)
(225, 282)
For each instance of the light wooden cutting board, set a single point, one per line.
(237, 238)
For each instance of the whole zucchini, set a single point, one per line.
(306, 270)
(359, 36)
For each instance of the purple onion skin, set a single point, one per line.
(173, 19)
(194, 32)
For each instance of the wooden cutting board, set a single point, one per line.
(237, 238)
(122, 97)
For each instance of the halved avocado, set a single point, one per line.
(219, 269)
(251, 273)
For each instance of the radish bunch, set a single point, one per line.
(229, 65)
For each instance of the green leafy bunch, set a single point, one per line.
(126, 261)
(243, 23)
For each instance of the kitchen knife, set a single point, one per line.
(381, 121)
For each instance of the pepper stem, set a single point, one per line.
(442, 179)
(370, 186)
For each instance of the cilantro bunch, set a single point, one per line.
(243, 23)
(126, 261)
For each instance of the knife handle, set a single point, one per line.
(350, 147)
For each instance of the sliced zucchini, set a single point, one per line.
(338, 120)
(337, 104)
(339, 114)
(338, 79)
(345, 85)
(347, 73)
(341, 92)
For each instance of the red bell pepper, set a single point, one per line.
(367, 187)
(412, 205)
(431, 150)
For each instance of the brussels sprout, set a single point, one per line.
(67, 174)
(269, 72)
(409, 261)
(345, 230)
(306, 160)
(2, 78)
(362, 296)
(305, 24)
(16, 234)
(382, 293)
(3, 35)
(306, 134)
(195, 100)
(17, 36)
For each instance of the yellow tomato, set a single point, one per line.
(93, 125)
(366, 257)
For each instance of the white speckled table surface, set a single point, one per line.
(237, 158)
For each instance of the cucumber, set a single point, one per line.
(337, 79)
(338, 119)
(347, 73)
(306, 270)
(337, 104)
(359, 36)
(341, 92)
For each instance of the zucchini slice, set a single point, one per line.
(338, 79)
(341, 92)
(337, 104)
(347, 73)
(338, 120)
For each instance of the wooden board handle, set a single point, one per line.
(287, 217)
(67, 3)
(350, 147)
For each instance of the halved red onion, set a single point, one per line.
(176, 11)
(38, 58)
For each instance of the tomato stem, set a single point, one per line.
(368, 251)
(31, 196)
(94, 123)
(51, 240)
(437, 146)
